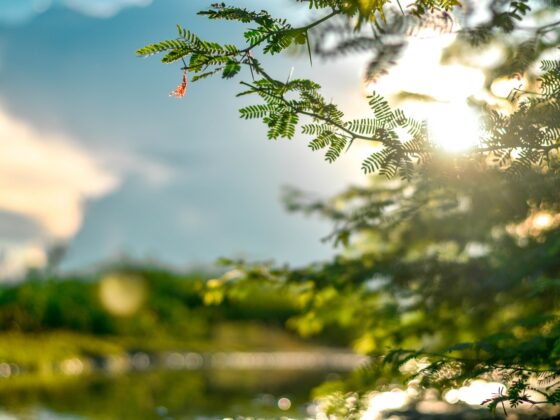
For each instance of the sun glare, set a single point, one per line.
(454, 127)
(452, 124)
(474, 393)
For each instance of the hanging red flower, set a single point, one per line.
(180, 90)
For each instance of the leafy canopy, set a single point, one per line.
(456, 270)
(401, 142)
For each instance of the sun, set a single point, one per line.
(427, 90)
(455, 127)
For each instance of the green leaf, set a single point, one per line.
(172, 44)
(231, 69)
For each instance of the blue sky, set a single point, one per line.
(112, 165)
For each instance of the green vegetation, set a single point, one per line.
(452, 273)
(396, 153)
(53, 319)
(80, 336)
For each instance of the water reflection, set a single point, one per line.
(157, 394)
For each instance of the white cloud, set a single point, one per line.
(154, 174)
(20, 11)
(15, 259)
(45, 178)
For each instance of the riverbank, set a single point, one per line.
(232, 345)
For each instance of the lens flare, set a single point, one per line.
(122, 294)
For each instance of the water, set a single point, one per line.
(163, 394)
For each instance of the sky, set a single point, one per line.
(96, 155)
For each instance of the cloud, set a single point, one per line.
(45, 178)
(18, 228)
(20, 244)
(20, 11)
(14, 260)
(154, 174)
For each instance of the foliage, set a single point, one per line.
(463, 275)
(46, 304)
(401, 142)
(458, 264)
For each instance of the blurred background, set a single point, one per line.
(95, 154)
(115, 201)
